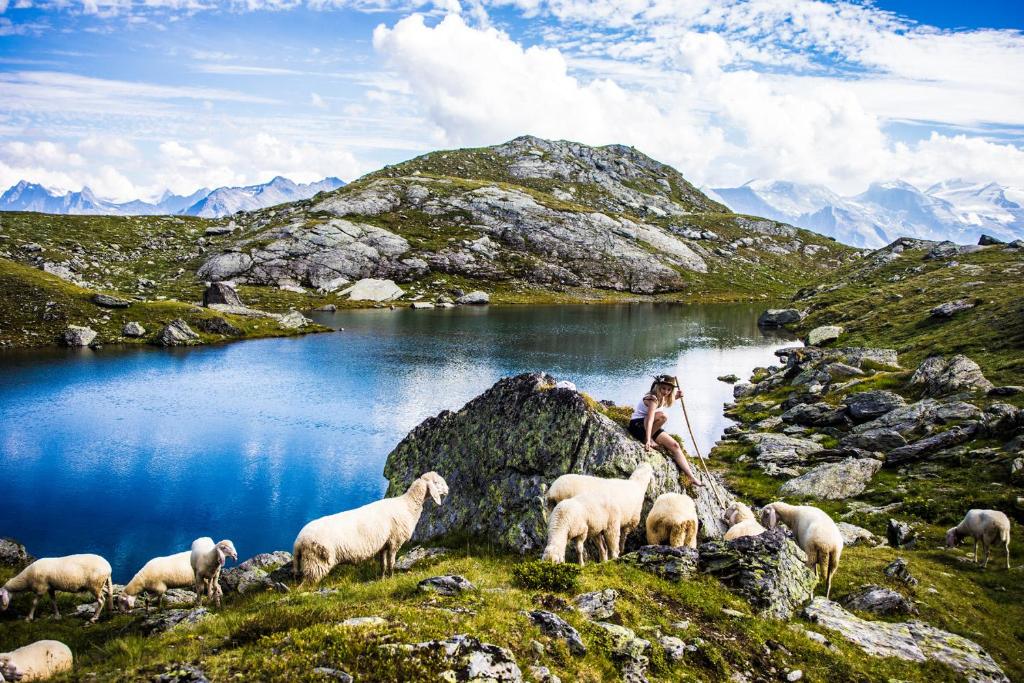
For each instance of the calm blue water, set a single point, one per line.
(133, 453)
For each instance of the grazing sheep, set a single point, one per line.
(377, 529)
(628, 494)
(156, 576)
(673, 521)
(70, 574)
(741, 521)
(206, 560)
(987, 526)
(578, 519)
(35, 662)
(815, 532)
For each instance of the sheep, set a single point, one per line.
(987, 526)
(70, 574)
(673, 521)
(580, 518)
(206, 560)
(156, 576)
(35, 662)
(628, 494)
(741, 521)
(815, 532)
(377, 529)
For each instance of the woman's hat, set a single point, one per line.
(665, 379)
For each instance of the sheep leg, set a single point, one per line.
(581, 552)
(985, 544)
(32, 610)
(975, 551)
(383, 557)
(1007, 554)
(602, 547)
(99, 607)
(53, 600)
(614, 538)
(392, 556)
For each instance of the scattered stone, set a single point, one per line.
(475, 298)
(77, 335)
(768, 570)
(359, 622)
(370, 289)
(937, 377)
(675, 648)
(834, 480)
(597, 605)
(735, 613)
(448, 584)
(107, 301)
(326, 308)
(173, 618)
(221, 293)
(674, 564)
(466, 657)
(177, 333)
(217, 230)
(823, 335)
(874, 440)
(1017, 470)
(794, 675)
(555, 626)
(13, 554)
(867, 405)
(878, 600)
(629, 649)
(900, 534)
(951, 308)
(336, 674)
(855, 535)
(133, 329)
(181, 673)
(418, 555)
(31, 247)
(898, 569)
(913, 641)
(778, 317)
(293, 320)
(542, 674)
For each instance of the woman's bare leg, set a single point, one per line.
(676, 451)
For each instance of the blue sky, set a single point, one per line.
(134, 97)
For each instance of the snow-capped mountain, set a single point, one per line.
(225, 201)
(953, 210)
(25, 196)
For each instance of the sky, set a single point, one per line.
(134, 97)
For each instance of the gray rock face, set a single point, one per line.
(133, 329)
(13, 554)
(674, 564)
(221, 293)
(874, 440)
(474, 299)
(913, 641)
(177, 333)
(597, 605)
(293, 320)
(834, 480)
(780, 450)
(768, 570)
(501, 451)
(823, 335)
(951, 308)
(225, 266)
(855, 535)
(465, 659)
(108, 301)
(777, 317)
(900, 534)
(937, 376)
(556, 627)
(77, 335)
(449, 584)
(418, 555)
(878, 600)
(930, 444)
(630, 651)
(254, 574)
(173, 618)
(867, 405)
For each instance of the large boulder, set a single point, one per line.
(221, 293)
(370, 289)
(914, 641)
(254, 574)
(777, 317)
(108, 301)
(13, 554)
(937, 376)
(867, 405)
(476, 298)
(768, 570)
(77, 335)
(823, 335)
(833, 480)
(951, 308)
(177, 333)
(501, 451)
(878, 600)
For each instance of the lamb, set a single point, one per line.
(815, 532)
(35, 662)
(156, 576)
(206, 560)
(987, 526)
(70, 574)
(673, 521)
(377, 529)
(580, 518)
(741, 521)
(628, 494)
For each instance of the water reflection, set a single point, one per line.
(133, 453)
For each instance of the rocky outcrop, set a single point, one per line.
(463, 658)
(878, 600)
(913, 641)
(174, 618)
(257, 573)
(555, 626)
(221, 293)
(501, 451)
(674, 564)
(937, 376)
(13, 554)
(133, 329)
(108, 301)
(77, 335)
(951, 308)
(597, 605)
(833, 480)
(176, 333)
(823, 335)
(778, 317)
(867, 405)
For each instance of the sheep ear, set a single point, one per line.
(434, 492)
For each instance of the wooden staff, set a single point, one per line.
(686, 416)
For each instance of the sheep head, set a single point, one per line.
(643, 472)
(769, 518)
(5, 599)
(226, 549)
(437, 487)
(125, 602)
(730, 513)
(952, 538)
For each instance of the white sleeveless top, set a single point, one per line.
(640, 411)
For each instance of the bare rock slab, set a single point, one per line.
(833, 480)
(370, 289)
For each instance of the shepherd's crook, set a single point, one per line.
(686, 416)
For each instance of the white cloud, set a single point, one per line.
(317, 101)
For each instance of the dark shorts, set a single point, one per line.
(636, 428)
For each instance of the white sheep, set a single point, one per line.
(70, 574)
(377, 529)
(741, 521)
(673, 521)
(36, 662)
(987, 526)
(628, 494)
(158, 575)
(206, 560)
(815, 532)
(581, 518)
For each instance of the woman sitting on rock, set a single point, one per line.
(649, 417)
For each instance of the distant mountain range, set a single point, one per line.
(954, 210)
(204, 202)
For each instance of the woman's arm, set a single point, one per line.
(651, 404)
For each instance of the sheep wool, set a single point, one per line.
(157, 576)
(987, 526)
(69, 574)
(377, 529)
(207, 559)
(673, 521)
(36, 662)
(816, 534)
(582, 517)
(741, 521)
